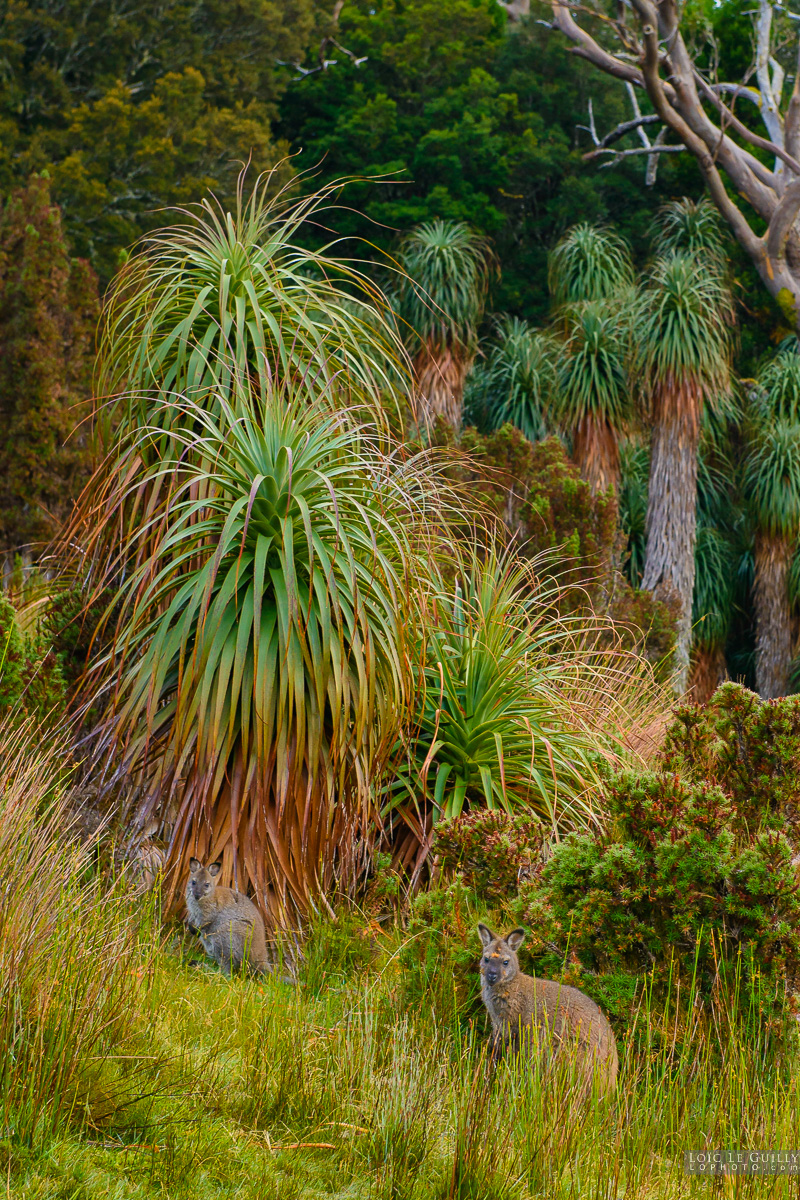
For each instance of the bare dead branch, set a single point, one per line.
(755, 139)
(635, 152)
(620, 130)
(652, 163)
(694, 111)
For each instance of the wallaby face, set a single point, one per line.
(499, 962)
(202, 880)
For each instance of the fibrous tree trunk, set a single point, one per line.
(596, 452)
(773, 614)
(708, 671)
(671, 513)
(440, 372)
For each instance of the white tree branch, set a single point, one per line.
(695, 113)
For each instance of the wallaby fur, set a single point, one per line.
(544, 1015)
(229, 924)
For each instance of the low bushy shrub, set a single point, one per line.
(693, 872)
(697, 858)
(31, 678)
(492, 849)
(541, 496)
(673, 872)
(440, 954)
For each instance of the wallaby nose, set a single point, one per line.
(491, 976)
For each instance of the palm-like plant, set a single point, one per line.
(693, 226)
(442, 296)
(593, 396)
(632, 497)
(515, 383)
(489, 726)
(227, 293)
(683, 355)
(715, 578)
(591, 281)
(259, 641)
(772, 482)
(589, 263)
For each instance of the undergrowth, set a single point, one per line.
(131, 1070)
(253, 1088)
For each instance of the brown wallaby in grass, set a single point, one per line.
(542, 1014)
(229, 924)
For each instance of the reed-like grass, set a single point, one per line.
(128, 1070)
(73, 966)
(256, 1089)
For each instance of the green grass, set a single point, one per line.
(255, 1089)
(129, 1070)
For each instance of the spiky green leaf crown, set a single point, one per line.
(589, 263)
(447, 265)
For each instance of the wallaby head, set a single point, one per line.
(499, 963)
(202, 880)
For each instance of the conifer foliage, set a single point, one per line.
(48, 313)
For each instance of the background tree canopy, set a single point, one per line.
(134, 106)
(472, 120)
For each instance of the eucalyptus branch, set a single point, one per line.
(694, 111)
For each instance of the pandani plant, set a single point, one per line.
(219, 294)
(772, 487)
(683, 343)
(259, 641)
(591, 278)
(693, 226)
(715, 579)
(632, 500)
(589, 263)
(446, 269)
(515, 382)
(492, 724)
(593, 396)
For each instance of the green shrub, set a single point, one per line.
(31, 680)
(696, 861)
(439, 957)
(70, 626)
(336, 951)
(747, 746)
(540, 494)
(493, 850)
(11, 656)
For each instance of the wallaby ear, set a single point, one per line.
(194, 865)
(514, 939)
(215, 869)
(486, 935)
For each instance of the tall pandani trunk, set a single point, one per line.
(773, 614)
(596, 451)
(708, 671)
(671, 509)
(439, 373)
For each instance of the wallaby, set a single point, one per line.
(228, 923)
(541, 1014)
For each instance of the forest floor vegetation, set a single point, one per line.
(133, 1070)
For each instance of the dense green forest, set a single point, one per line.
(445, 112)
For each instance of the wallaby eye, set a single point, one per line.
(486, 958)
(505, 962)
